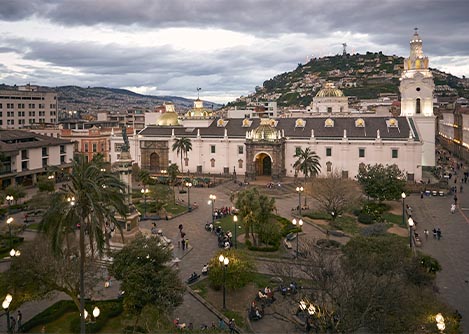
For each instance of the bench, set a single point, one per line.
(287, 244)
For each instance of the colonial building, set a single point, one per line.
(453, 129)
(25, 155)
(254, 147)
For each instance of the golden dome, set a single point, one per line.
(264, 131)
(329, 90)
(169, 118)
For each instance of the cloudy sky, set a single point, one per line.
(226, 47)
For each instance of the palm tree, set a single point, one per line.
(93, 198)
(173, 171)
(182, 146)
(307, 163)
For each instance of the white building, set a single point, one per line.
(23, 106)
(266, 147)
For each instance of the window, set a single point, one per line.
(212, 162)
(212, 149)
(24, 155)
(62, 149)
(329, 166)
(62, 159)
(240, 164)
(44, 162)
(328, 151)
(240, 149)
(44, 152)
(95, 147)
(24, 165)
(32, 105)
(329, 109)
(297, 150)
(394, 153)
(86, 147)
(118, 147)
(186, 162)
(361, 152)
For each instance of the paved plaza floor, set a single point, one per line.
(428, 212)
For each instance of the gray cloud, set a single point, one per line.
(388, 25)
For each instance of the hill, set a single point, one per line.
(94, 99)
(364, 76)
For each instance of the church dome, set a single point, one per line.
(329, 90)
(168, 119)
(265, 131)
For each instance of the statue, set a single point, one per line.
(126, 146)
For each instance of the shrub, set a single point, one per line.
(50, 314)
(328, 243)
(109, 309)
(374, 230)
(365, 218)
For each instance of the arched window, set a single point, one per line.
(240, 164)
(186, 162)
(329, 166)
(212, 162)
(417, 106)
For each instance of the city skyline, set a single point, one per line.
(159, 48)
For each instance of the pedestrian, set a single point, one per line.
(19, 318)
(183, 244)
(438, 233)
(232, 326)
(455, 199)
(453, 208)
(12, 324)
(421, 194)
(187, 243)
(180, 227)
(434, 233)
(426, 233)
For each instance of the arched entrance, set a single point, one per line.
(263, 164)
(154, 162)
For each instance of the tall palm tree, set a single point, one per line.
(307, 163)
(182, 146)
(173, 172)
(92, 198)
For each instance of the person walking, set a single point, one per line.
(232, 326)
(438, 233)
(434, 233)
(183, 244)
(19, 318)
(426, 234)
(453, 208)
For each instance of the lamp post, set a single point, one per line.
(189, 186)
(299, 190)
(145, 191)
(9, 221)
(224, 261)
(411, 227)
(212, 201)
(235, 221)
(403, 196)
(96, 312)
(300, 223)
(9, 199)
(6, 306)
(440, 322)
(15, 252)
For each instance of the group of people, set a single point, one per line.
(184, 241)
(254, 312)
(266, 294)
(291, 288)
(16, 323)
(221, 325)
(221, 212)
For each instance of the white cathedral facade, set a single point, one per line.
(266, 147)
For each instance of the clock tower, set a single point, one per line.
(416, 89)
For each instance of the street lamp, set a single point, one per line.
(189, 186)
(224, 261)
(403, 196)
(9, 199)
(411, 227)
(299, 190)
(300, 223)
(9, 221)
(145, 191)
(14, 252)
(235, 221)
(6, 306)
(212, 200)
(440, 322)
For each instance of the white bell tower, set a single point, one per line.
(416, 89)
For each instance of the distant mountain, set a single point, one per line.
(364, 76)
(94, 99)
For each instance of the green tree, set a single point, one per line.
(173, 172)
(92, 198)
(45, 184)
(255, 210)
(238, 272)
(182, 146)
(38, 272)
(142, 267)
(16, 191)
(308, 163)
(382, 182)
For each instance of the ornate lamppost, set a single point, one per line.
(212, 199)
(403, 196)
(6, 306)
(299, 190)
(145, 191)
(224, 261)
(235, 221)
(299, 223)
(411, 228)
(189, 186)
